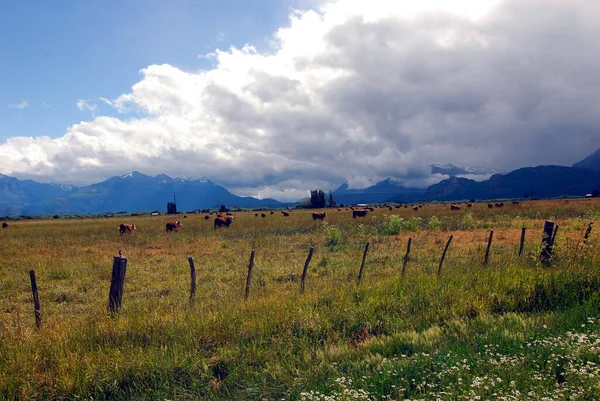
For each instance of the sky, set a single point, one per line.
(272, 98)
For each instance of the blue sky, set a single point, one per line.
(336, 91)
(53, 53)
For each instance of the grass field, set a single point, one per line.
(513, 329)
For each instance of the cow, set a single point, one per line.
(286, 214)
(416, 208)
(255, 214)
(319, 216)
(515, 202)
(454, 207)
(263, 215)
(359, 213)
(173, 225)
(490, 206)
(229, 214)
(4, 224)
(371, 209)
(223, 221)
(207, 217)
(469, 205)
(272, 212)
(126, 228)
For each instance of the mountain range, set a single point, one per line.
(139, 192)
(129, 193)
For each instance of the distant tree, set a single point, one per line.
(223, 209)
(171, 208)
(331, 201)
(317, 199)
(595, 193)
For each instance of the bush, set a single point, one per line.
(393, 224)
(333, 235)
(434, 223)
(468, 222)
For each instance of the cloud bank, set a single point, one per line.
(353, 91)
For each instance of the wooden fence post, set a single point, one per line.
(115, 296)
(249, 278)
(362, 265)
(36, 300)
(305, 271)
(523, 229)
(546, 246)
(587, 232)
(444, 254)
(193, 278)
(489, 245)
(406, 256)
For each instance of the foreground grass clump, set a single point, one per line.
(511, 329)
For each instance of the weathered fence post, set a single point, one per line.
(406, 256)
(249, 278)
(115, 296)
(588, 232)
(36, 300)
(546, 250)
(193, 278)
(444, 254)
(489, 245)
(305, 271)
(523, 230)
(362, 265)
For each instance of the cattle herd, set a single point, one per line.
(227, 219)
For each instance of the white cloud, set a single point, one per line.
(354, 91)
(21, 105)
(85, 105)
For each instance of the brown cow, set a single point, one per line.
(173, 225)
(4, 224)
(515, 202)
(286, 214)
(416, 208)
(319, 216)
(359, 213)
(263, 215)
(126, 228)
(229, 214)
(207, 217)
(490, 206)
(469, 205)
(223, 221)
(255, 214)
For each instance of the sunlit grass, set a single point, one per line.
(339, 339)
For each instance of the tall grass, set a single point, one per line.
(506, 329)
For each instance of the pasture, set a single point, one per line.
(509, 329)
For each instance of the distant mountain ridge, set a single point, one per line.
(592, 162)
(452, 170)
(130, 192)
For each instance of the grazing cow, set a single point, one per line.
(263, 215)
(272, 212)
(469, 205)
(359, 213)
(390, 208)
(173, 225)
(126, 228)
(515, 202)
(416, 208)
(255, 214)
(490, 206)
(223, 221)
(371, 209)
(207, 217)
(498, 204)
(501, 204)
(397, 207)
(339, 209)
(4, 224)
(286, 214)
(420, 206)
(319, 216)
(229, 214)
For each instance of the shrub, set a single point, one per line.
(332, 234)
(468, 222)
(393, 224)
(434, 223)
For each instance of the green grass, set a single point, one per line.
(512, 329)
